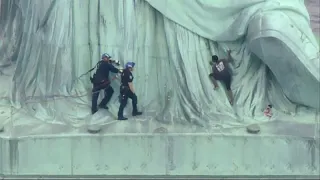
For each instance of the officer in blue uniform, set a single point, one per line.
(127, 91)
(101, 81)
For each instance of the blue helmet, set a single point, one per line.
(130, 65)
(105, 55)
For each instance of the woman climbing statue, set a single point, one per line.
(222, 72)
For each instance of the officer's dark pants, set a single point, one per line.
(108, 92)
(124, 95)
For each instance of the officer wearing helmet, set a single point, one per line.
(127, 91)
(101, 81)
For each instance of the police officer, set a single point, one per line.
(127, 91)
(101, 81)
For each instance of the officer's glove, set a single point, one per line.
(120, 70)
(117, 62)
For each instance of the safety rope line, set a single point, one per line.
(60, 97)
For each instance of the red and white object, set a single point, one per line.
(268, 111)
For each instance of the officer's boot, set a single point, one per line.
(122, 118)
(94, 110)
(135, 111)
(120, 113)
